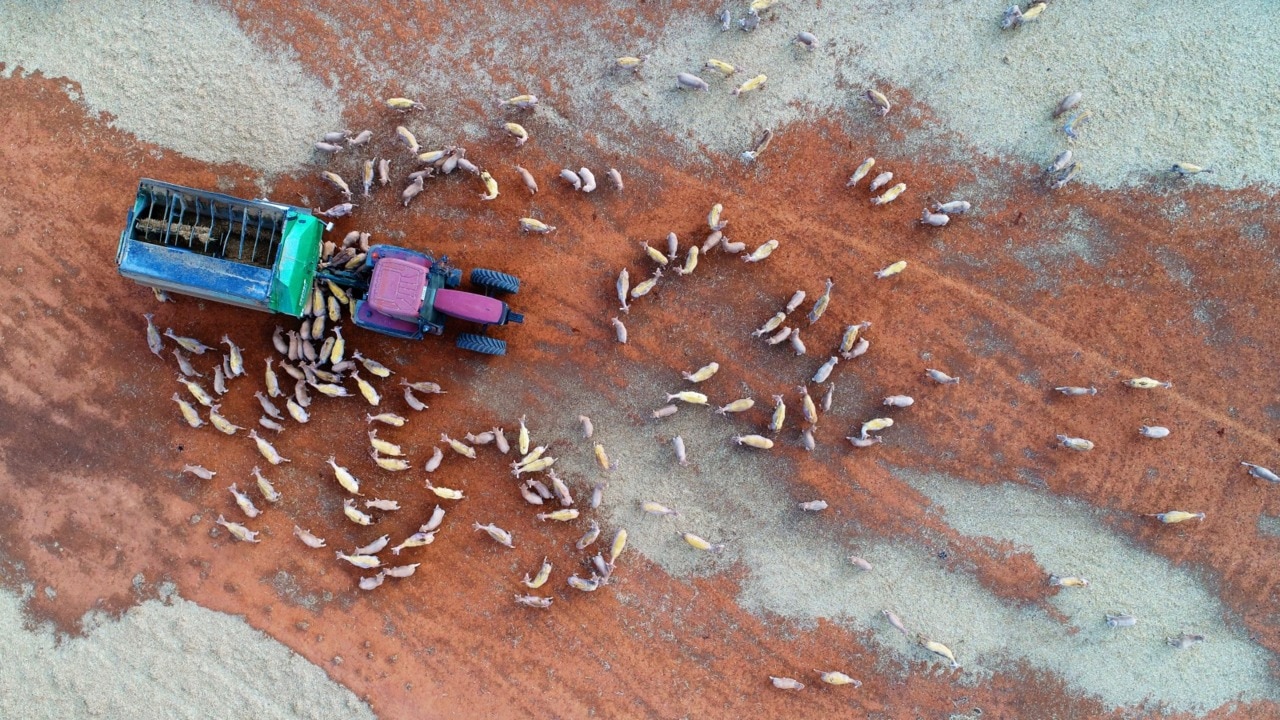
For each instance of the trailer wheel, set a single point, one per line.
(495, 282)
(482, 344)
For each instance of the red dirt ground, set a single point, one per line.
(90, 496)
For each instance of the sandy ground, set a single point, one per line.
(205, 101)
(965, 509)
(126, 668)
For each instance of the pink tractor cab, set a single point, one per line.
(410, 294)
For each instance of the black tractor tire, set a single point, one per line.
(482, 344)
(495, 282)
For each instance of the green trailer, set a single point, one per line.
(252, 253)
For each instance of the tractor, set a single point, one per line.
(266, 256)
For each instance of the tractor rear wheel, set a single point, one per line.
(482, 344)
(495, 282)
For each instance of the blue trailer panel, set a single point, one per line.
(181, 271)
(252, 253)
